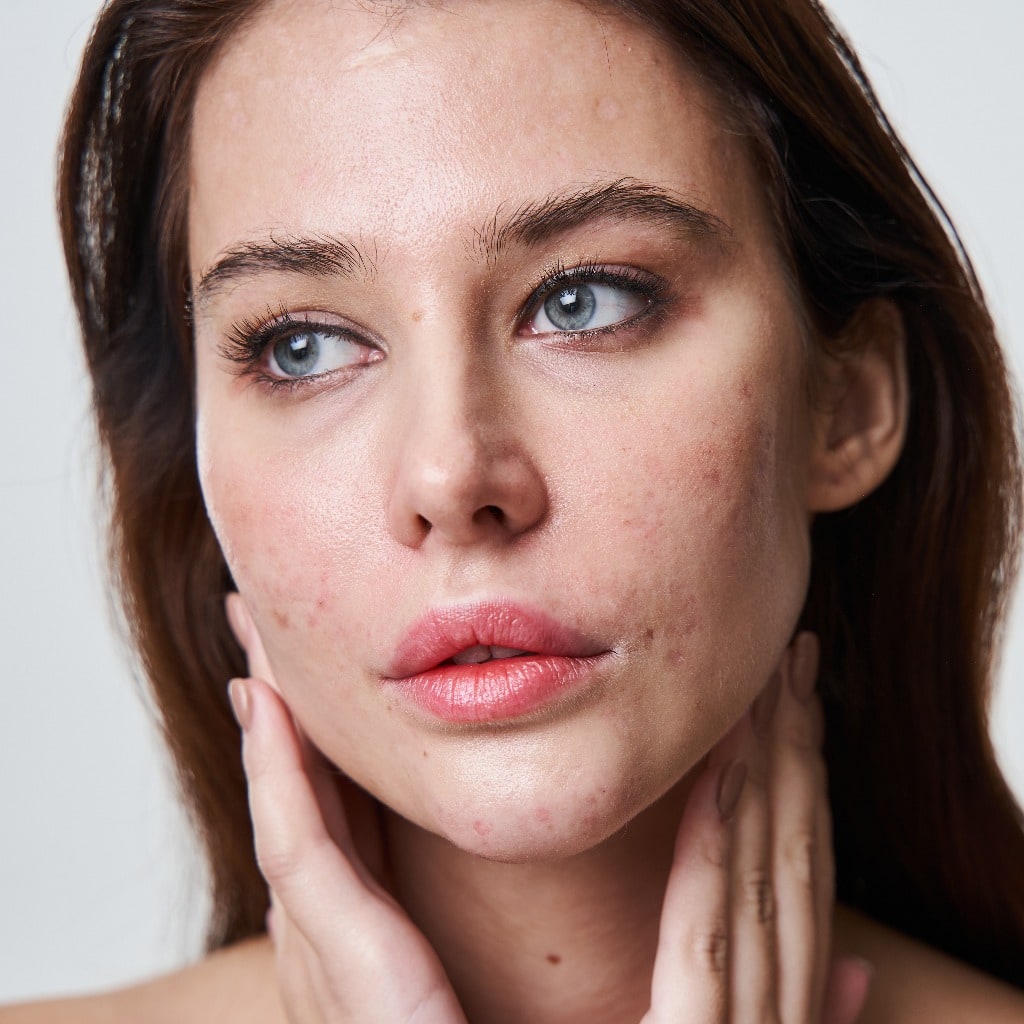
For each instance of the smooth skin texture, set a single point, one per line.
(650, 484)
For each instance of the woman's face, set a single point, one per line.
(495, 349)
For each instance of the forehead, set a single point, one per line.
(412, 123)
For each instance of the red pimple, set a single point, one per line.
(481, 828)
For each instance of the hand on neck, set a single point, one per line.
(563, 940)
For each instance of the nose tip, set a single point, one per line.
(464, 491)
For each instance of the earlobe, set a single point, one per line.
(861, 425)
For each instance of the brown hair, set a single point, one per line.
(908, 587)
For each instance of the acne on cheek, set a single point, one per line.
(272, 560)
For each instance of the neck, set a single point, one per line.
(551, 943)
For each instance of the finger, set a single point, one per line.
(249, 639)
(314, 882)
(849, 982)
(752, 983)
(326, 780)
(692, 962)
(802, 877)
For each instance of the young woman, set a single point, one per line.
(527, 374)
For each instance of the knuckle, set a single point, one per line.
(277, 862)
(800, 858)
(712, 949)
(760, 896)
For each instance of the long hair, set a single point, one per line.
(908, 588)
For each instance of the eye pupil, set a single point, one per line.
(571, 309)
(297, 353)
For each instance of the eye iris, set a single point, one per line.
(571, 309)
(297, 354)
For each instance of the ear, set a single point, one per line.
(248, 637)
(862, 422)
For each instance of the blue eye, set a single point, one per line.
(312, 351)
(587, 306)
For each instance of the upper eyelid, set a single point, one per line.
(282, 319)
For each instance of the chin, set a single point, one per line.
(526, 823)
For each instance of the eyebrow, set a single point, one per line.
(626, 200)
(623, 200)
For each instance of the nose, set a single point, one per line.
(463, 472)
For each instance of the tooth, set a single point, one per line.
(505, 652)
(472, 655)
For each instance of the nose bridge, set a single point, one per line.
(464, 471)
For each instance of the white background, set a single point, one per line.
(97, 882)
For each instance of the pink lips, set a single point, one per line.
(556, 659)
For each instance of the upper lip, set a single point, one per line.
(443, 632)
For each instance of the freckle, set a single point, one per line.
(425, 755)
(418, 315)
(648, 634)
(554, 958)
(481, 828)
(282, 619)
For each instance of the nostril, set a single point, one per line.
(495, 513)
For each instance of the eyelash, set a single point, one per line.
(653, 289)
(248, 339)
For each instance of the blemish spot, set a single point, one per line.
(554, 958)
(608, 109)
(481, 828)
(648, 634)
(542, 814)
(418, 315)
(425, 755)
(281, 618)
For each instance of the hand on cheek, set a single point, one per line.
(337, 933)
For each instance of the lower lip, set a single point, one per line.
(494, 691)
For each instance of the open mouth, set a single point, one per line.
(480, 653)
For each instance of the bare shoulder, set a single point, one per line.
(236, 984)
(915, 983)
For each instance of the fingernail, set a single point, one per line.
(764, 707)
(803, 678)
(730, 786)
(241, 703)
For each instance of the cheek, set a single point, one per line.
(294, 528)
(704, 531)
